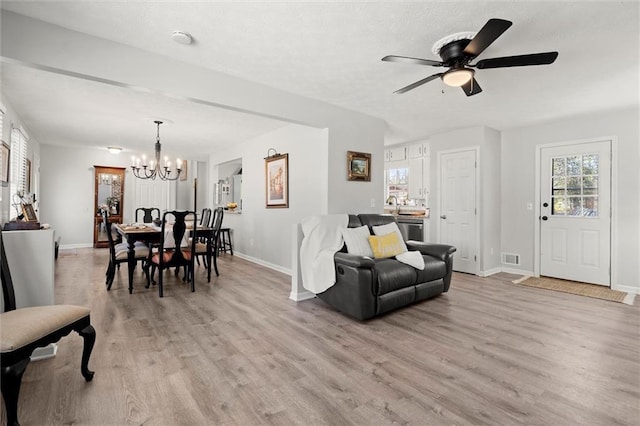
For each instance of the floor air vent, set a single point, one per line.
(510, 259)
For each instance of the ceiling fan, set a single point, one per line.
(458, 50)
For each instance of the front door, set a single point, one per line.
(457, 221)
(575, 212)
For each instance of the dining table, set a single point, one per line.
(151, 234)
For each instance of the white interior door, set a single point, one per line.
(153, 193)
(575, 212)
(457, 221)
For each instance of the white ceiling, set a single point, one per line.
(331, 51)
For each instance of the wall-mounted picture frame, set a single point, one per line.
(358, 166)
(5, 151)
(276, 169)
(29, 213)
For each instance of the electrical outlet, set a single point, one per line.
(373, 202)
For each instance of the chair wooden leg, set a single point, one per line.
(89, 335)
(160, 283)
(215, 264)
(11, 381)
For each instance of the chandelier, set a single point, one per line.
(143, 170)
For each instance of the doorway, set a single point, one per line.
(575, 212)
(458, 221)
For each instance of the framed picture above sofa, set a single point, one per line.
(358, 166)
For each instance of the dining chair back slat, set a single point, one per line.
(171, 253)
(148, 214)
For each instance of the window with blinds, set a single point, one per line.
(18, 160)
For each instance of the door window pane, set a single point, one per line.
(574, 165)
(558, 166)
(574, 185)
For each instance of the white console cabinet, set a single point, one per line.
(31, 257)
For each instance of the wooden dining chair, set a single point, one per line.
(205, 217)
(171, 253)
(201, 246)
(25, 329)
(148, 214)
(119, 253)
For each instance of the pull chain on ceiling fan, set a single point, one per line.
(458, 50)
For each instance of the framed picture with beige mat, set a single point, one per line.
(577, 288)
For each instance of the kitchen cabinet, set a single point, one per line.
(418, 188)
(418, 150)
(395, 154)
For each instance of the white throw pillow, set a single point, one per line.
(387, 229)
(357, 240)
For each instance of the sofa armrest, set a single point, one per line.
(439, 251)
(443, 252)
(353, 260)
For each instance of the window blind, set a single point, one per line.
(18, 160)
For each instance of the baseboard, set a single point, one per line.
(626, 289)
(489, 272)
(74, 246)
(517, 271)
(298, 297)
(263, 263)
(45, 352)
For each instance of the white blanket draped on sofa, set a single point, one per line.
(322, 239)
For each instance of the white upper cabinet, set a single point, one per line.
(418, 150)
(416, 170)
(395, 154)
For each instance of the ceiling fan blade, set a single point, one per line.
(418, 83)
(394, 58)
(518, 61)
(487, 35)
(471, 87)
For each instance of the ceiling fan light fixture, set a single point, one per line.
(457, 77)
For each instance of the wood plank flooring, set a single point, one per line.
(239, 352)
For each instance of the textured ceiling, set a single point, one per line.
(331, 51)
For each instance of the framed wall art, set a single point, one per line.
(358, 166)
(29, 213)
(276, 168)
(4, 163)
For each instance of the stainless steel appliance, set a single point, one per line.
(411, 228)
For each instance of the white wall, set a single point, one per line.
(518, 186)
(261, 234)
(67, 191)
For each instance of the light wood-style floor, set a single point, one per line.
(239, 352)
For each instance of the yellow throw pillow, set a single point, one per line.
(387, 245)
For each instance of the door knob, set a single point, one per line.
(444, 216)
(544, 218)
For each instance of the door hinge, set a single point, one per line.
(475, 258)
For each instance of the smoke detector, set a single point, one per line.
(181, 37)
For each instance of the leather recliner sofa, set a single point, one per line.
(366, 287)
